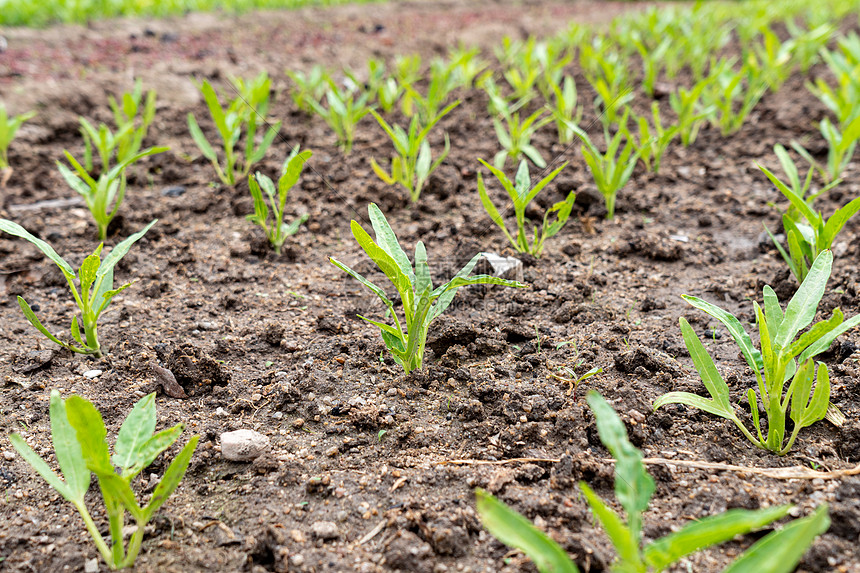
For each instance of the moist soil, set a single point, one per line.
(360, 474)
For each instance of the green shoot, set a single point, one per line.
(466, 64)
(428, 107)
(777, 552)
(421, 302)
(806, 241)
(611, 170)
(242, 117)
(125, 113)
(310, 86)
(731, 98)
(784, 357)
(521, 194)
(95, 277)
(413, 163)
(78, 434)
(8, 128)
(345, 109)
(654, 138)
(690, 111)
(798, 188)
(841, 146)
(566, 109)
(278, 231)
(104, 195)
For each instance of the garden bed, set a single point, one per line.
(274, 343)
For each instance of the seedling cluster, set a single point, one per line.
(527, 85)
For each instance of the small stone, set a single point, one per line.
(298, 422)
(332, 452)
(207, 325)
(8, 455)
(221, 412)
(278, 415)
(505, 267)
(243, 445)
(298, 536)
(92, 374)
(174, 191)
(325, 530)
(91, 565)
(256, 397)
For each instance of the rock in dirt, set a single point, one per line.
(243, 445)
(32, 361)
(325, 530)
(505, 267)
(166, 379)
(92, 374)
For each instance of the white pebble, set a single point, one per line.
(243, 445)
(92, 373)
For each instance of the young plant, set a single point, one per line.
(78, 434)
(278, 231)
(732, 94)
(310, 86)
(522, 193)
(8, 128)
(421, 302)
(125, 113)
(413, 163)
(611, 170)
(841, 146)
(806, 241)
(784, 357)
(242, 117)
(104, 195)
(345, 109)
(96, 287)
(427, 107)
(465, 65)
(565, 109)
(654, 138)
(515, 136)
(794, 184)
(777, 552)
(687, 105)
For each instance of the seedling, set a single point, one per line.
(8, 129)
(78, 434)
(654, 138)
(570, 376)
(611, 170)
(806, 241)
(777, 552)
(690, 111)
(565, 108)
(732, 94)
(522, 193)
(345, 109)
(841, 146)
(413, 163)
(310, 86)
(278, 231)
(125, 113)
(465, 65)
(104, 195)
(783, 357)
(242, 115)
(421, 302)
(96, 287)
(427, 107)
(794, 184)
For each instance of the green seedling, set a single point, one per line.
(808, 43)
(845, 67)
(807, 240)
(407, 69)
(565, 108)
(841, 146)
(732, 94)
(413, 163)
(310, 86)
(421, 302)
(429, 107)
(691, 113)
(772, 59)
(96, 287)
(784, 357)
(515, 136)
(104, 195)
(125, 113)
(242, 117)
(794, 184)
(277, 231)
(777, 552)
(606, 71)
(653, 58)
(611, 170)
(654, 138)
(345, 109)
(8, 129)
(572, 378)
(521, 194)
(466, 65)
(78, 434)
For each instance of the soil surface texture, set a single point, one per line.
(368, 469)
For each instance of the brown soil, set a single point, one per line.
(277, 347)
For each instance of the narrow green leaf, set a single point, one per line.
(733, 325)
(801, 308)
(516, 531)
(119, 251)
(135, 431)
(43, 469)
(624, 540)
(91, 433)
(709, 531)
(19, 231)
(172, 476)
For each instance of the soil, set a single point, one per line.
(358, 474)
